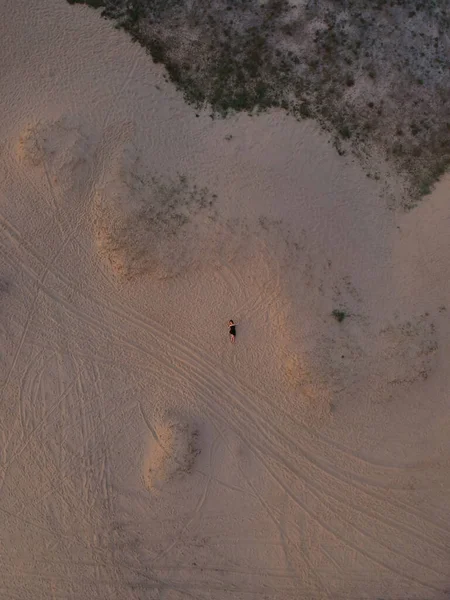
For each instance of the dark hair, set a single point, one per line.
(231, 321)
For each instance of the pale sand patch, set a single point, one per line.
(61, 148)
(324, 461)
(172, 450)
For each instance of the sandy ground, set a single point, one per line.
(142, 455)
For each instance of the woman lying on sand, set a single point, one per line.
(232, 329)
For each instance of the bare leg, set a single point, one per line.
(232, 338)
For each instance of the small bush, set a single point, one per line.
(350, 81)
(339, 315)
(305, 110)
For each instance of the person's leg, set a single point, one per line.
(232, 338)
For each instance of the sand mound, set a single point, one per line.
(408, 350)
(61, 148)
(171, 453)
(313, 393)
(353, 360)
(144, 223)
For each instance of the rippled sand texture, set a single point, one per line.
(143, 455)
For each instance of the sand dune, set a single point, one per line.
(173, 448)
(143, 455)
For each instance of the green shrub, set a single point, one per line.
(339, 315)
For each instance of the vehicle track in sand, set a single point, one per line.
(172, 339)
(296, 467)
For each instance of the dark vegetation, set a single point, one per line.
(374, 73)
(93, 3)
(339, 315)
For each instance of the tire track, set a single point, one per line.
(151, 326)
(318, 521)
(277, 455)
(320, 587)
(40, 284)
(258, 453)
(106, 481)
(367, 555)
(190, 366)
(159, 335)
(198, 507)
(191, 362)
(43, 421)
(63, 224)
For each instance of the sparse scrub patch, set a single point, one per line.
(345, 132)
(172, 452)
(144, 224)
(339, 315)
(364, 70)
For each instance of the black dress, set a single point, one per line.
(233, 330)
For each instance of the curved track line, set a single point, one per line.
(141, 349)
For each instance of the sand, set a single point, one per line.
(144, 456)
